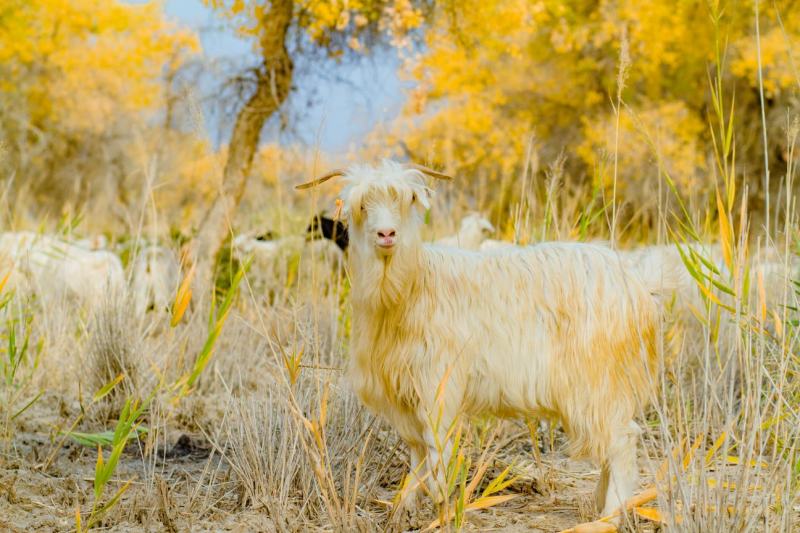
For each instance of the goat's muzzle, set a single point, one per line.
(385, 240)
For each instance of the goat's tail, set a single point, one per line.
(667, 281)
(662, 271)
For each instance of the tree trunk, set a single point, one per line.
(273, 85)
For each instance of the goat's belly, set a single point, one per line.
(508, 387)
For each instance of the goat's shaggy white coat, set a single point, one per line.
(663, 268)
(559, 330)
(494, 244)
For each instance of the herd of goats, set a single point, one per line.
(85, 269)
(467, 325)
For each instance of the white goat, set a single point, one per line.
(57, 268)
(474, 230)
(272, 259)
(663, 265)
(558, 330)
(269, 258)
(155, 277)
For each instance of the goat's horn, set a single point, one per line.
(321, 179)
(430, 172)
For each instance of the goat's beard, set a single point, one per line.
(383, 280)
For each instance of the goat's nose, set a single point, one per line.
(383, 233)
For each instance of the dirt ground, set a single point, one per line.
(44, 481)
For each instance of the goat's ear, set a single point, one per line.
(423, 195)
(352, 208)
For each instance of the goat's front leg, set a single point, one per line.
(410, 494)
(439, 450)
(416, 472)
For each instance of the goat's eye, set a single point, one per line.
(413, 197)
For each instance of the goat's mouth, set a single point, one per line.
(386, 246)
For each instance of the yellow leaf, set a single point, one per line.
(776, 319)
(637, 500)
(762, 297)
(182, 298)
(714, 483)
(716, 446)
(480, 503)
(648, 513)
(688, 459)
(734, 460)
(725, 233)
(713, 297)
(323, 407)
(476, 479)
(4, 281)
(489, 501)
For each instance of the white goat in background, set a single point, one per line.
(55, 268)
(558, 330)
(662, 265)
(474, 230)
(273, 259)
(155, 277)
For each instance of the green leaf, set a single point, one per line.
(105, 389)
(27, 405)
(103, 438)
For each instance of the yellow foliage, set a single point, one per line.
(776, 62)
(674, 132)
(85, 63)
(83, 85)
(336, 25)
(498, 71)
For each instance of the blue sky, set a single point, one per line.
(332, 108)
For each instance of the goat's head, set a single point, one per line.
(477, 224)
(384, 205)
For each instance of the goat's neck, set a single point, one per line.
(380, 283)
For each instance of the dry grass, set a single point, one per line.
(270, 436)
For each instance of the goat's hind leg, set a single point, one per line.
(620, 472)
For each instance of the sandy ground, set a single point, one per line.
(196, 493)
